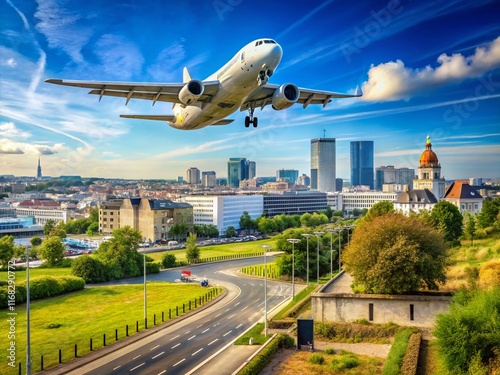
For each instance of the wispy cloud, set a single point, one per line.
(118, 57)
(394, 81)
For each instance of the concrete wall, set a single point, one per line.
(343, 307)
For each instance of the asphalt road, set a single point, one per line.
(180, 348)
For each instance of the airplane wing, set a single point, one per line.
(264, 94)
(163, 92)
(171, 118)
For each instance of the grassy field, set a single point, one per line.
(219, 250)
(90, 314)
(36, 272)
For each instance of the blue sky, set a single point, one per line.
(428, 67)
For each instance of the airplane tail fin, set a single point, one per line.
(186, 77)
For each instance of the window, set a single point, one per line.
(412, 312)
(370, 312)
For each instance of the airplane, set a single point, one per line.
(242, 83)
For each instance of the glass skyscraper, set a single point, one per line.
(323, 164)
(362, 171)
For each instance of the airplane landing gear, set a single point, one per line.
(250, 119)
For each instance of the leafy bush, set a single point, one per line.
(346, 360)
(329, 351)
(152, 268)
(168, 260)
(470, 330)
(317, 359)
(410, 360)
(46, 286)
(89, 268)
(71, 283)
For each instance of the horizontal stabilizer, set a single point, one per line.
(358, 91)
(150, 117)
(222, 122)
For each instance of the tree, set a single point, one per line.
(178, 230)
(92, 229)
(89, 268)
(266, 225)
(48, 226)
(94, 215)
(36, 241)
(489, 212)
(468, 336)
(379, 209)
(447, 219)
(395, 254)
(168, 260)
(52, 251)
(6, 249)
(192, 250)
(246, 222)
(470, 228)
(230, 231)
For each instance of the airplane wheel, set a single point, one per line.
(255, 122)
(247, 121)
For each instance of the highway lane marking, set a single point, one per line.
(251, 284)
(218, 315)
(164, 371)
(227, 310)
(156, 356)
(229, 317)
(227, 333)
(117, 367)
(237, 304)
(199, 326)
(136, 367)
(192, 337)
(246, 307)
(178, 363)
(154, 347)
(175, 346)
(136, 357)
(196, 352)
(173, 338)
(258, 300)
(239, 326)
(208, 329)
(215, 325)
(187, 332)
(257, 313)
(213, 342)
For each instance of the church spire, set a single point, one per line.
(39, 170)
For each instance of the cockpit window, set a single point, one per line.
(266, 41)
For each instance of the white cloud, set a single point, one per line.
(119, 57)
(8, 146)
(167, 65)
(394, 81)
(11, 62)
(9, 130)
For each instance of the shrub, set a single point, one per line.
(489, 274)
(395, 357)
(329, 351)
(152, 268)
(72, 283)
(346, 360)
(45, 286)
(168, 260)
(89, 268)
(255, 366)
(317, 359)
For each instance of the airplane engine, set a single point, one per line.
(191, 92)
(285, 96)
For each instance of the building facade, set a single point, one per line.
(323, 164)
(429, 172)
(296, 202)
(209, 179)
(394, 176)
(465, 197)
(362, 171)
(193, 176)
(239, 169)
(109, 216)
(415, 201)
(364, 199)
(287, 175)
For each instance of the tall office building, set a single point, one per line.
(390, 175)
(323, 164)
(239, 169)
(208, 179)
(193, 176)
(39, 171)
(362, 163)
(288, 175)
(252, 169)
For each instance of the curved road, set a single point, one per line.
(182, 347)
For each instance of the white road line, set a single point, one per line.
(175, 346)
(239, 326)
(257, 313)
(156, 356)
(258, 300)
(192, 337)
(136, 367)
(208, 329)
(246, 307)
(173, 338)
(215, 325)
(164, 371)
(199, 326)
(196, 352)
(237, 304)
(227, 333)
(136, 357)
(208, 344)
(227, 310)
(218, 315)
(187, 332)
(117, 367)
(178, 363)
(154, 347)
(229, 317)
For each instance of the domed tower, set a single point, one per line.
(429, 172)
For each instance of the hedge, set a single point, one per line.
(257, 364)
(41, 287)
(410, 360)
(395, 357)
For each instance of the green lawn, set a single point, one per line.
(90, 314)
(36, 272)
(219, 250)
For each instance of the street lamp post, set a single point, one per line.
(331, 250)
(293, 241)
(266, 248)
(145, 295)
(307, 235)
(318, 234)
(28, 343)
(339, 231)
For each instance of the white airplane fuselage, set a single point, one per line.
(238, 79)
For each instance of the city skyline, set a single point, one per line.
(418, 79)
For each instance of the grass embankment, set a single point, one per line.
(91, 313)
(273, 271)
(219, 250)
(297, 299)
(256, 333)
(37, 272)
